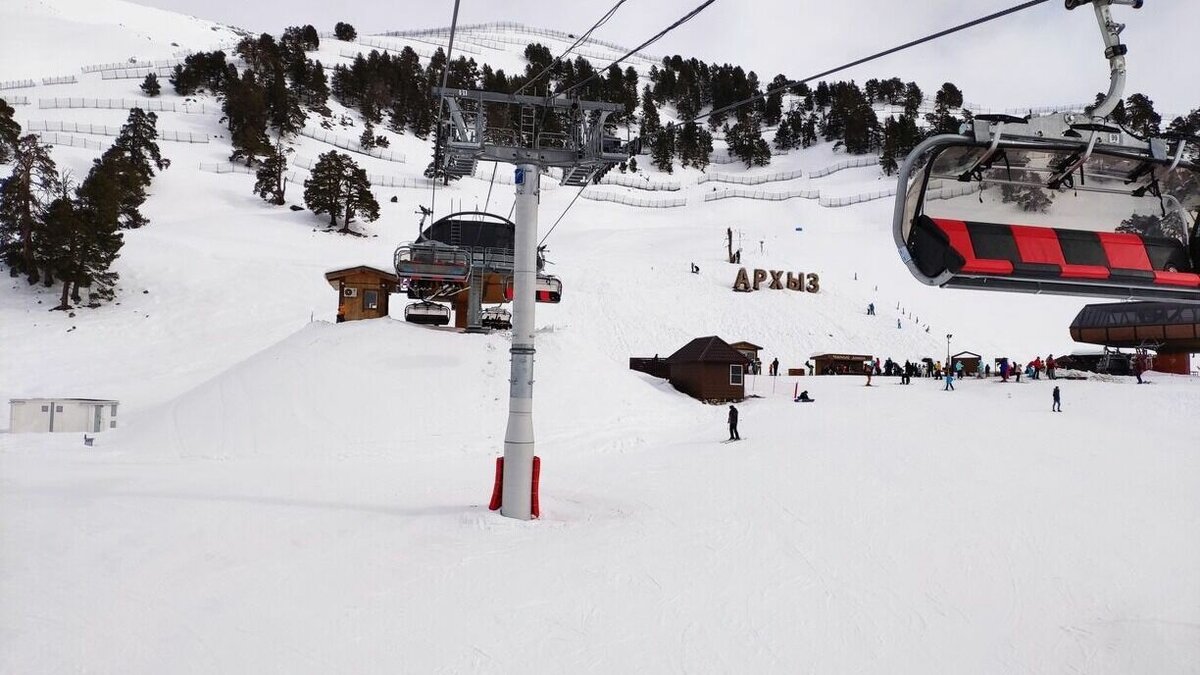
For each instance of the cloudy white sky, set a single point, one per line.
(1044, 55)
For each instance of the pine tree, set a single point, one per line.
(284, 111)
(1143, 119)
(85, 237)
(150, 85)
(271, 177)
(366, 139)
(137, 142)
(783, 135)
(246, 110)
(650, 121)
(773, 107)
(10, 131)
(339, 187)
(24, 196)
(662, 149)
(344, 31)
(633, 167)
(746, 143)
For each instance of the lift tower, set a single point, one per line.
(561, 132)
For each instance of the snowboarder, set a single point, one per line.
(733, 432)
(1057, 407)
(949, 381)
(695, 269)
(803, 397)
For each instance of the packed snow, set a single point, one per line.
(286, 494)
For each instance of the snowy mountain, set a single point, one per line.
(285, 494)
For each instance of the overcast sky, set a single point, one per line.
(1042, 56)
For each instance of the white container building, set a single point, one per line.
(87, 415)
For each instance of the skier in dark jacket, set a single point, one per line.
(1057, 407)
(733, 432)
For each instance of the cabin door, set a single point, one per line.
(96, 417)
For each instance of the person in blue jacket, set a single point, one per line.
(949, 381)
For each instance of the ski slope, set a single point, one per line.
(289, 495)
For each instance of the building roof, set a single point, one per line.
(338, 274)
(745, 345)
(1172, 326)
(966, 354)
(710, 349)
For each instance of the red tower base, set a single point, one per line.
(497, 499)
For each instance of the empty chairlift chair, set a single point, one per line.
(496, 318)
(548, 289)
(427, 313)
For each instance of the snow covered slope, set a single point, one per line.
(47, 38)
(289, 495)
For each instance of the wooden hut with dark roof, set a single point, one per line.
(709, 369)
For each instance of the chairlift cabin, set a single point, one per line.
(1066, 203)
(547, 289)
(427, 313)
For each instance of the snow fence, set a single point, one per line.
(639, 182)
(852, 163)
(146, 104)
(134, 73)
(512, 27)
(353, 146)
(106, 130)
(64, 79)
(837, 202)
(749, 179)
(126, 65)
(17, 84)
(70, 141)
(15, 100)
(761, 195)
(663, 203)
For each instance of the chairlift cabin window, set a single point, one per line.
(735, 374)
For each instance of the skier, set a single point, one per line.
(958, 369)
(871, 309)
(1050, 365)
(733, 432)
(1138, 368)
(868, 370)
(1057, 407)
(949, 381)
(775, 366)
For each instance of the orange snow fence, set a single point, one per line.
(498, 486)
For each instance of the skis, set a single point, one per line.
(732, 440)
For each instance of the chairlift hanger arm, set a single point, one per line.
(1114, 51)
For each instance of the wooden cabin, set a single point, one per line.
(710, 369)
(750, 351)
(970, 361)
(840, 364)
(362, 291)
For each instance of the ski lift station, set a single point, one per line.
(80, 415)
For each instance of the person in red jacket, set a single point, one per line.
(1050, 365)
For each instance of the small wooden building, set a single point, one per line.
(970, 361)
(840, 364)
(362, 291)
(87, 415)
(750, 351)
(710, 369)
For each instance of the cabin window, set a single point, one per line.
(735, 374)
(58, 408)
(370, 299)
(112, 424)
(45, 408)
(114, 410)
